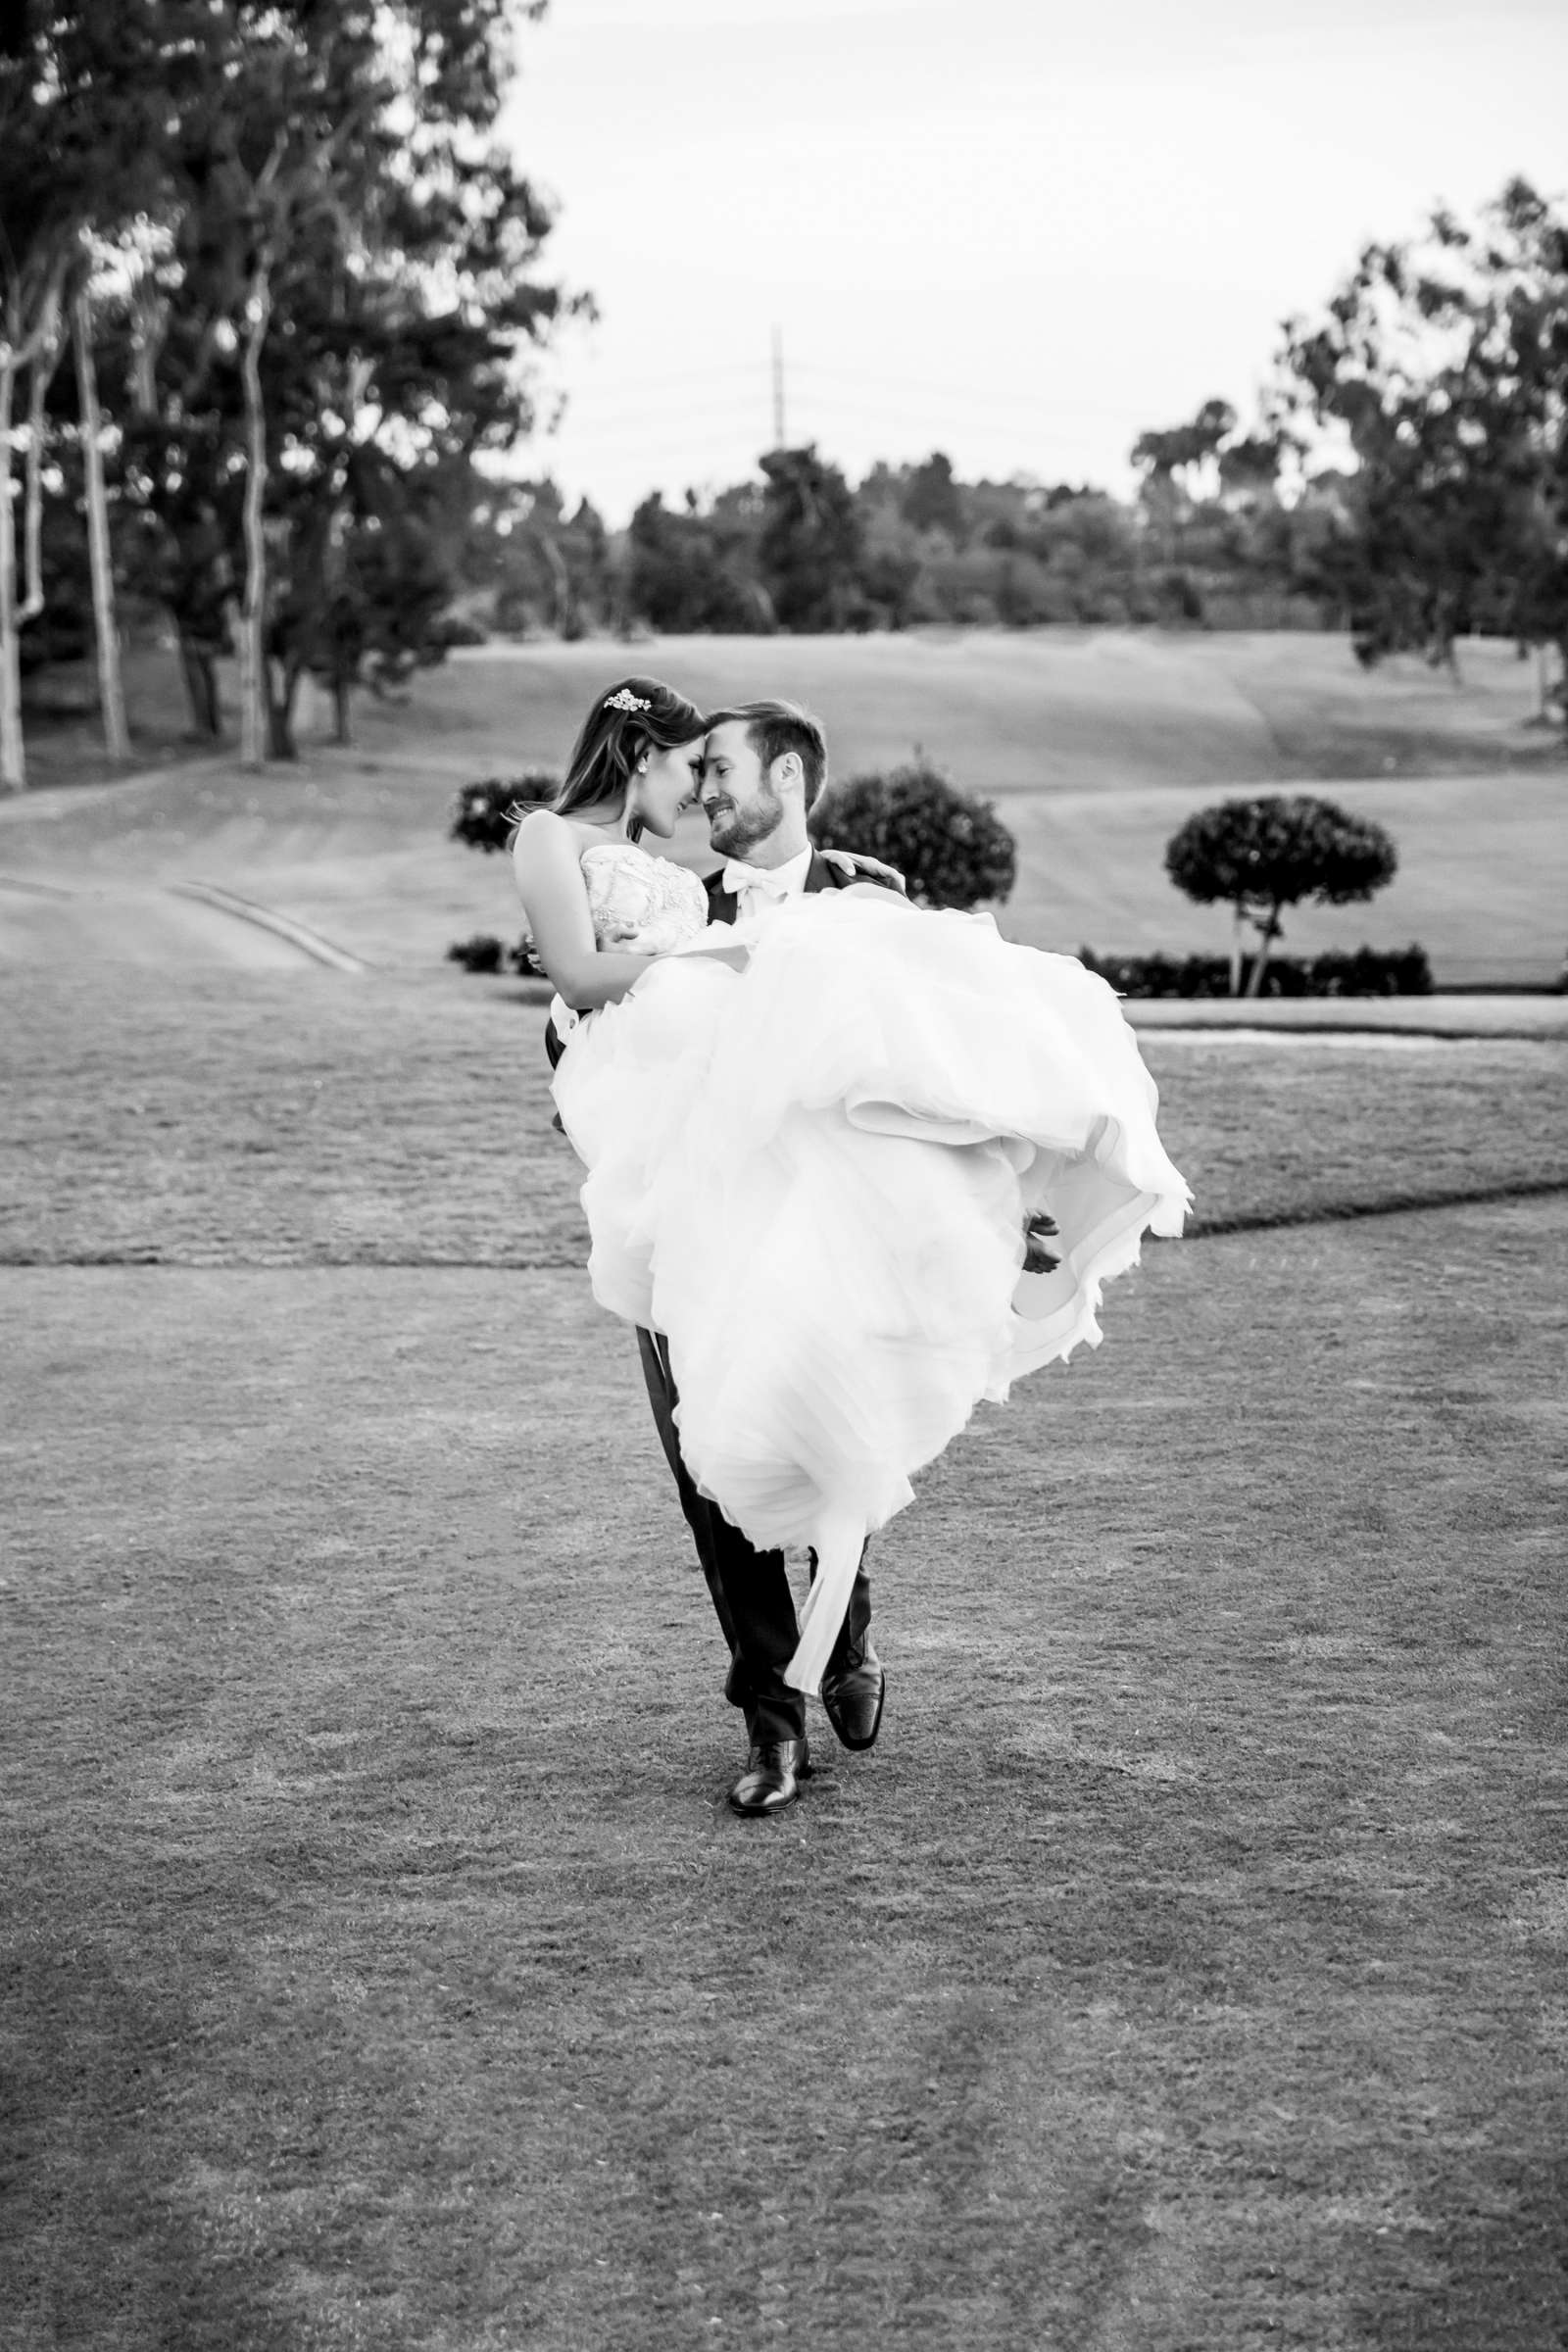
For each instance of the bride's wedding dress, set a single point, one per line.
(813, 1175)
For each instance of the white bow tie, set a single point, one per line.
(739, 878)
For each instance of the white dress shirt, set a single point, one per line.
(756, 888)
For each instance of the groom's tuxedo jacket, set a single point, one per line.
(723, 906)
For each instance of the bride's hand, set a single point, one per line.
(851, 862)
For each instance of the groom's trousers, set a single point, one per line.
(751, 1591)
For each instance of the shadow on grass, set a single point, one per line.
(112, 2240)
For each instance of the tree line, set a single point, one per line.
(801, 549)
(297, 278)
(1405, 480)
(268, 293)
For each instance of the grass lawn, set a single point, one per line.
(308, 1118)
(60, 717)
(1185, 1968)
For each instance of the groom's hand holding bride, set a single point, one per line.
(856, 861)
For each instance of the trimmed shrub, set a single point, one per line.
(484, 954)
(485, 815)
(952, 849)
(480, 954)
(456, 628)
(1265, 855)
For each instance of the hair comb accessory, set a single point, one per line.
(625, 700)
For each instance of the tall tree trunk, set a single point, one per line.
(254, 698)
(1238, 919)
(282, 679)
(46, 357)
(111, 686)
(559, 583)
(149, 322)
(1268, 932)
(13, 759)
(200, 673)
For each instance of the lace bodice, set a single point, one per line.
(647, 904)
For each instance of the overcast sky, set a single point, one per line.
(1017, 230)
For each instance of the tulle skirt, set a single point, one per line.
(813, 1176)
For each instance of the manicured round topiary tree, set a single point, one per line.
(485, 815)
(1271, 853)
(952, 849)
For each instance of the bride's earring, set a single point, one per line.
(634, 822)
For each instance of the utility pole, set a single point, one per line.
(778, 389)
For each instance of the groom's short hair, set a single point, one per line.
(774, 728)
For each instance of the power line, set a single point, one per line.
(905, 414)
(705, 432)
(703, 374)
(701, 417)
(629, 428)
(986, 399)
(732, 376)
(727, 380)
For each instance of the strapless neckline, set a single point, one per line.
(646, 904)
(631, 850)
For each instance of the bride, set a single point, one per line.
(814, 1144)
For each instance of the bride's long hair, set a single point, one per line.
(629, 718)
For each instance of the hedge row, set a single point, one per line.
(1338, 972)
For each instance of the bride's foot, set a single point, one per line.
(774, 1770)
(1039, 1231)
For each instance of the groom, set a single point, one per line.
(764, 766)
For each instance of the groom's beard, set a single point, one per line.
(735, 832)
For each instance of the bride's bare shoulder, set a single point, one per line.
(538, 824)
(544, 838)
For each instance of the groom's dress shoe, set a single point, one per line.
(774, 1770)
(852, 1695)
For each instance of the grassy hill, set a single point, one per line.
(1054, 710)
(1096, 743)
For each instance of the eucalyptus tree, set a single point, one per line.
(41, 200)
(1444, 363)
(401, 372)
(337, 316)
(1170, 462)
(87, 93)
